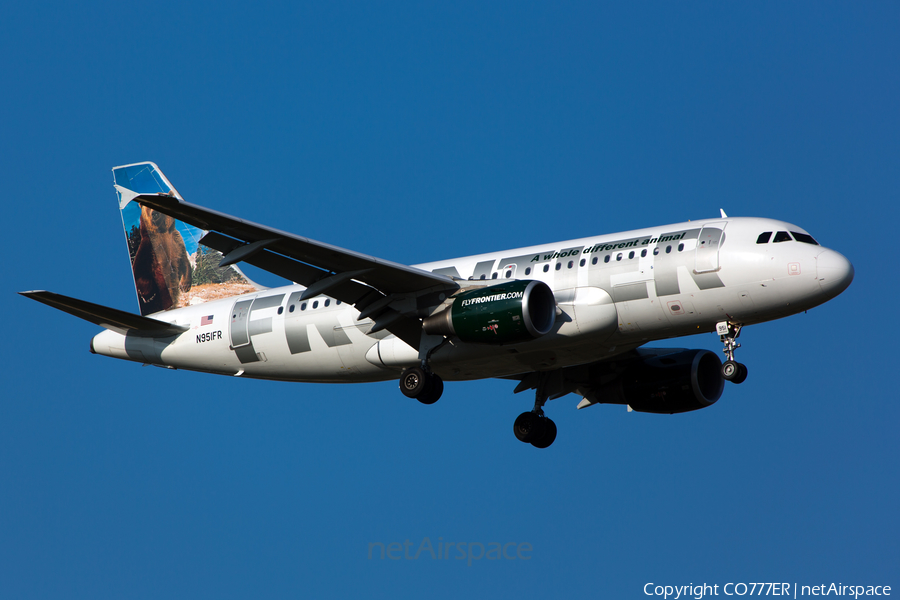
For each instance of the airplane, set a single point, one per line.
(557, 318)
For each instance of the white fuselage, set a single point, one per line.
(614, 293)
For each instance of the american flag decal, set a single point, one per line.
(206, 320)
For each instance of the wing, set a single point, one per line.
(380, 289)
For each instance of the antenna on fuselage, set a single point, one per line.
(722, 210)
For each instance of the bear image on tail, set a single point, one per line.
(162, 268)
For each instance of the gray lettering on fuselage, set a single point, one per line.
(332, 335)
(448, 271)
(707, 261)
(260, 326)
(243, 327)
(297, 333)
(483, 270)
(297, 336)
(295, 327)
(520, 264)
(239, 317)
(630, 291)
(665, 265)
(707, 281)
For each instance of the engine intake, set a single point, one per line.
(506, 313)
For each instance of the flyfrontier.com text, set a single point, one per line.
(794, 590)
(493, 298)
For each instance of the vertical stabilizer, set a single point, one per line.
(171, 269)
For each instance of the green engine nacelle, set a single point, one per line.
(506, 313)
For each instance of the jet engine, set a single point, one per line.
(506, 313)
(669, 383)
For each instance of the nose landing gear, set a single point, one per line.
(732, 370)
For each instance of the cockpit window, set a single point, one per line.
(805, 238)
(782, 236)
(764, 238)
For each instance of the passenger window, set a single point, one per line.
(594, 261)
(528, 271)
(571, 263)
(619, 256)
(303, 306)
(764, 237)
(643, 253)
(558, 266)
(280, 309)
(508, 274)
(805, 238)
(668, 249)
(291, 309)
(546, 268)
(482, 276)
(316, 304)
(337, 303)
(656, 251)
(680, 247)
(494, 276)
(581, 264)
(327, 302)
(606, 258)
(782, 236)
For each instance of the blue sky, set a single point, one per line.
(415, 133)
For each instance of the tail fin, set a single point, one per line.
(168, 262)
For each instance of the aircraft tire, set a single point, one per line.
(730, 370)
(433, 391)
(741, 375)
(413, 382)
(549, 434)
(528, 427)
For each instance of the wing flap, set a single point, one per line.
(104, 316)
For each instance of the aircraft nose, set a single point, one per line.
(834, 272)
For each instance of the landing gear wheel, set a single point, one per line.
(730, 370)
(534, 429)
(434, 390)
(413, 382)
(528, 427)
(549, 434)
(424, 387)
(734, 372)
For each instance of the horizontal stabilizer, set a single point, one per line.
(110, 318)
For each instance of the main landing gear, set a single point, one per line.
(421, 384)
(534, 427)
(732, 370)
